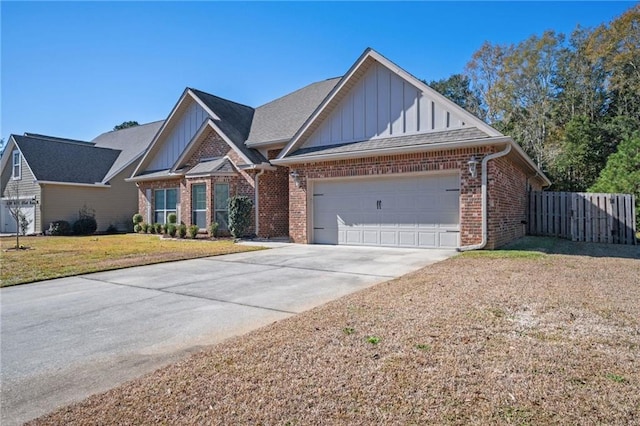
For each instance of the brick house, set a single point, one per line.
(375, 157)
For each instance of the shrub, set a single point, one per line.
(172, 217)
(193, 231)
(86, 223)
(137, 219)
(171, 229)
(158, 228)
(239, 215)
(112, 229)
(144, 227)
(137, 228)
(59, 228)
(213, 229)
(182, 230)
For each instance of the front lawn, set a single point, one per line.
(54, 257)
(546, 334)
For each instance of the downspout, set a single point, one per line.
(485, 179)
(257, 197)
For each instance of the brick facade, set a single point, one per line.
(274, 197)
(506, 202)
(506, 195)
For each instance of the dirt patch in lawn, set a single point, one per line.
(472, 340)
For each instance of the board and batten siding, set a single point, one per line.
(382, 104)
(179, 137)
(27, 187)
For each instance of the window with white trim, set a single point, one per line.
(17, 167)
(221, 205)
(165, 202)
(199, 205)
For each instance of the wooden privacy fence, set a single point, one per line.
(580, 216)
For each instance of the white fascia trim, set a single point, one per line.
(8, 153)
(201, 175)
(149, 178)
(294, 140)
(267, 143)
(397, 150)
(156, 138)
(85, 185)
(190, 145)
(202, 104)
(211, 123)
(404, 75)
(261, 166)
(425, 88)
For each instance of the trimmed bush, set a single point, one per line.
(144, 227)
(158, 228)
(193, 231)
(137, 219)
(172, 218)
(171, 230)
(239, 215)
(86, 223)
(213, 229)
(59, 228)
(182, 230)
(137, 228)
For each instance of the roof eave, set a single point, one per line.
(144, 178)
(84, 185)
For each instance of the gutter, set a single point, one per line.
(389, 151)
(485, 179)
(89, 185)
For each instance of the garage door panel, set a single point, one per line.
(449, 239)
(389, 211)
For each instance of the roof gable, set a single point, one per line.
(378, 99)
(194, 111)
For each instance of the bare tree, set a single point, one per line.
(14, 203)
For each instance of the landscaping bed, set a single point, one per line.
(526, 336)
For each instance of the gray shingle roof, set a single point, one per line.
(69, 161)
(132, 142)
(235, 121)
(220, 165)
(280, 119)
(466, 133)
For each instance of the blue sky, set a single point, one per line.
(76, 69)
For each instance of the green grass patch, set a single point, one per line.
(504, 254)
(55, 257)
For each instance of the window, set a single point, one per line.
(17, 172)
(165, 202)
(221, 205)
(199, 205)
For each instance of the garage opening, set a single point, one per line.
(399, 211)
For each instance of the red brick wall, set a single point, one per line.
(212, 146)
(470, 188)
(507, 202)
(273, 187)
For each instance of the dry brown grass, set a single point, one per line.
(55, 257)
(472, 340)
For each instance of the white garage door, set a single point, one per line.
(416, 211)
(8, 224)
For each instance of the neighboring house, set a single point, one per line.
(375, 157)
(54, 178)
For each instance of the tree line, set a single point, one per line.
(571, 101)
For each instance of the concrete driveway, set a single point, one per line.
(65, 339)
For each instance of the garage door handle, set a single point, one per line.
(317, 228)
(379, 205)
